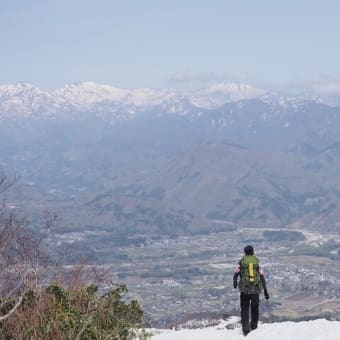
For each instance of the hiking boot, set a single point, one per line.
(246, 332)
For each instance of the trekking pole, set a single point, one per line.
(237, 308)
(269, 312)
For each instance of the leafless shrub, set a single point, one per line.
(41, 297)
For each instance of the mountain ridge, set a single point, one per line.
(26, 99)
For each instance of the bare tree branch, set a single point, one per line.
(15, 307)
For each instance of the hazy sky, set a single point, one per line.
(177, 43)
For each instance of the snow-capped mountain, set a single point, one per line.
(219, 94)
(219, 105)
(24, 99)
(80, 95)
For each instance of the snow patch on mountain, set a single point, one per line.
(220, 94)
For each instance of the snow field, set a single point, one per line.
(306, 330)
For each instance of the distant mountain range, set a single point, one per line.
(137, 162)
(24, 99)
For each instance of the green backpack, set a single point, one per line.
(250, 280)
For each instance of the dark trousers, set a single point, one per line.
(252, 301)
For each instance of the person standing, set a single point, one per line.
(251, 283)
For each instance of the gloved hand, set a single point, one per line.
(266, 295)
(235, 284)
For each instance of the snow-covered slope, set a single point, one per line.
(222, 93)
(306, 330)
(83, 94)
(25, 99)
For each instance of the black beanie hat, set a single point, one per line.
(249, 250)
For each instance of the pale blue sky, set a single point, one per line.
(161, 43)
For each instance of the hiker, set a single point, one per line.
(251, 283)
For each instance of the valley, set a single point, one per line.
(190, 276)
